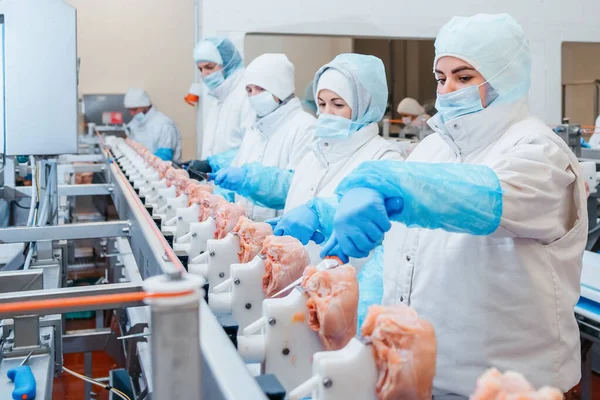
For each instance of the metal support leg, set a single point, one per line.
(99, 319)
(586, 369)
(87, 371)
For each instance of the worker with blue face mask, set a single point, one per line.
(486, 221)
(152, 128)
(229, 112)
(280, 135)
(351, 93)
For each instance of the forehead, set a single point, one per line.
(327, 94)
(206, 64)
(449, 63)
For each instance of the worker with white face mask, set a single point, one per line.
(489, 218)
(351, 92)
(229, 112)
(280, 135)
(150, 127)
(414, 119)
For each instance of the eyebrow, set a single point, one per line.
(457, 69)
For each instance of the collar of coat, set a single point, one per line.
(228, 86)
(466, 134)
(271, 123)
(331, 150)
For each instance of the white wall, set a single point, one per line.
(546, 22)
(140, 43)
(580, 65)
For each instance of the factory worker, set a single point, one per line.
(414, 119)
(229, 112)
(595, 138)
(490, 218)
(351, 93)
(282, 131)
(150, 127)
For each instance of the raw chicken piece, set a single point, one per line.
(182, 183)
(196, 193)
(174, 177)
(332, 304)
(252, 235)
(404, 347)
(162, 167)
(209, 206)
(494, 385)
(227, 216)
(285, 260)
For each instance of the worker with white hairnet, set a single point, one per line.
(488, 218)
(229, 112)
(157, 132)
(414, 119)
(351, 93)
(280, 135)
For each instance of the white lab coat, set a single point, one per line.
(157, 131)
(228, 116)
(329, 161)
(504, 300)
(280, 139)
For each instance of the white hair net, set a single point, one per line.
(272, 72)
(137, 98)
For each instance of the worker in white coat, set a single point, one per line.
(351, 93)
(490, 218)
(229, 112)
(280, 135)
(414, 119)
(150, 127)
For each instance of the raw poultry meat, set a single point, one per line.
(162, 167)
(227, 216)
(252, 235)
(174, 177)
(285, 260)
(332, 304)
(182, 183)
(404, 347)
(196, 193)
(494, 385)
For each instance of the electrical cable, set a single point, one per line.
(95, 382)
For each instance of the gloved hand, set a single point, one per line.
(273, 222)
(301, 223)
(164, 154)
(200, 166)
(332, 248)
(360, 222)
(230, 178)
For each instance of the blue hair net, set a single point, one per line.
(232, 60)
(495, 45)
(266, 186)
(221, 160)
(370, 285)
(324, 208)
(367, 75)
(461, 198)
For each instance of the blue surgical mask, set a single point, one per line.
(139, 117)
(263, 103)
(459, 103)
(333, 126)
(214, 80)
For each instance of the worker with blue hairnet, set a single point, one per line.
(281, 134)
(486, 221)
(351, 93)
(229, 112)
(152, 128)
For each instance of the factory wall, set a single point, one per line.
(547, 24)
(140, 43)
(580, 67)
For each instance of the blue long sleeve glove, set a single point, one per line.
(370, 285)
(221, 160)
(458, 198)
(266, 186)
(164, 154)
(230, 178)
(301, 223)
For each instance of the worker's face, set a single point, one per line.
(331, 103)
(138, 110)
(453, 74)
(253, 90)
(207, 68)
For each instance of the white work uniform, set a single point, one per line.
(505, 300)
(228, 116)
(157, 131)
(280, 139)
(329, 161)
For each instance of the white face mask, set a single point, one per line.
(263, 103)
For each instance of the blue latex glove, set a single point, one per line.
(332, 248)
(164, 154)
(273, 222)
(230, 178)
(301, 223)
(585, 144)
(360, 222)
